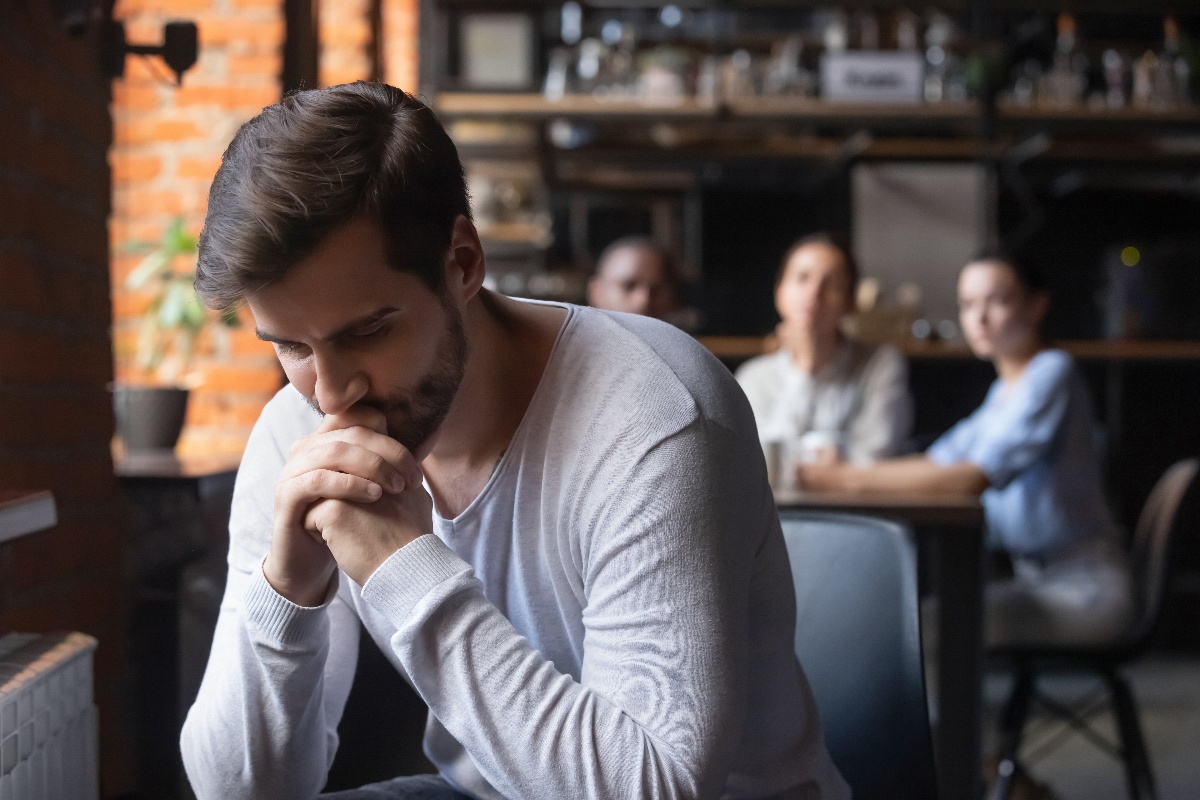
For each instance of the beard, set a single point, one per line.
(414, 415)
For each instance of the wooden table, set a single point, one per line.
(954, 526)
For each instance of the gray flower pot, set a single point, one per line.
(149, 417)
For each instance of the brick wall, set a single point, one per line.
(168, 144)
(55, 409)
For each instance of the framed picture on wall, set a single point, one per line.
(496, 51)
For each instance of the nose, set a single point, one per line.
(339, 385)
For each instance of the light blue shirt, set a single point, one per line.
(1034, 442)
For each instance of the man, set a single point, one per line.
(636, 275)
(553, 521)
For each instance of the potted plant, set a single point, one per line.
(150, 414)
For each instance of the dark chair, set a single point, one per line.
(1150, 555)
(858, 638)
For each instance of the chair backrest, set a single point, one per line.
(1150, 552)
(858, 638)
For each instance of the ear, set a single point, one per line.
(593, 291)
(465, 267)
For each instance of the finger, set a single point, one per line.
(322, 484)
(388, 448)
(356, 416)
(319, 517)
(351, 459)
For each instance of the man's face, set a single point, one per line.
(633, 280)
(351, 331)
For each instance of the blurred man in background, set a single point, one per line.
(636, 275)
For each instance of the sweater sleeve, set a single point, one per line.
(264, 724)
(657, 709)
(884, 421)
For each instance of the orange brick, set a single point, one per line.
(131, 95)
(264, 33)
(171, 202)
(231, 378)
(229, 97)
(198, 168)
(224, 410)
(244, 342)
(130, 305)
(255, 64)
(154, 131)
(128, 168)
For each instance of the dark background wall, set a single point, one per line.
(55, 350)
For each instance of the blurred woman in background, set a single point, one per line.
(823, 395)
(1029, 451)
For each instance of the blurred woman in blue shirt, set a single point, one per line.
(1029, 451)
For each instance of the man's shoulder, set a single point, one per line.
(662, 363)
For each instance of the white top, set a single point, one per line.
(612, 617)
(861, 397)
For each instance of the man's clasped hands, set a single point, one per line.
(349, 496)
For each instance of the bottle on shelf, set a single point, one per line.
(1173, 75)
(1063, 86)
(1114, 79)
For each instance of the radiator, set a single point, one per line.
(48, 734)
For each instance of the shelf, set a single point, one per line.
(535, 107)
(956, 118)
(24, 512)
(812, 108)
(742, 347)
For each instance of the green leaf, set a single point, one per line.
(170, 313)
(151, 265)
(193, 312)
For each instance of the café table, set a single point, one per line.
(951, 527)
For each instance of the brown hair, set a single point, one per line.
(836, 241)
(312, 163)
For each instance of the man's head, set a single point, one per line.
(317, 160)
(636, 275)
(340, 217)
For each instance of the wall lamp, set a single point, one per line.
(179, 48)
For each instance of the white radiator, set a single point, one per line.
(48, 734)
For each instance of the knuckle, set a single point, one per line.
(311, 481)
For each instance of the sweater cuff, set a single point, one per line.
(409, 574)
(279, 620)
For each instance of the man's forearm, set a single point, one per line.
(259, 725)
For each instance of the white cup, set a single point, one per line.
(813, 446)
(773, 455)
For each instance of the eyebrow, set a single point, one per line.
(345, 330)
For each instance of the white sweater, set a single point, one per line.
(612, 617)
(861, 396)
